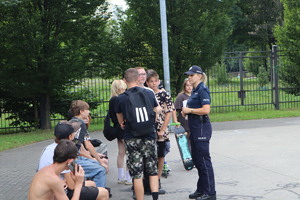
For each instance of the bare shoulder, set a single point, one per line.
(43, 184)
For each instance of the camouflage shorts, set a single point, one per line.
(141, 153)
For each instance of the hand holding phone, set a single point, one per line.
(72, 166)
(79, 174)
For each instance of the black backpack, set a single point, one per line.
(110, 132)
(139, 115)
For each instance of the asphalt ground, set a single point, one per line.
(253, 160)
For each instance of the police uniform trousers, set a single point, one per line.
(201, 131)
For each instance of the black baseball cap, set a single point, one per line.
(64, 128)
(194, 70)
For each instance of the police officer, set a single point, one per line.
(198, 108)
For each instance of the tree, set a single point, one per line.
(45, 46)
(197, 32)
(254, 21)
(288, 36)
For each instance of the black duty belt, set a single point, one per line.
(201, 118)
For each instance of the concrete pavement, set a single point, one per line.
(253, 160)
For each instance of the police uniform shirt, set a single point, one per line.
(200, 131)
(200, 96)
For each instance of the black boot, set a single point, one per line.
(195, 195)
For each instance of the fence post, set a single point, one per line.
(275, 77)
(241, 93)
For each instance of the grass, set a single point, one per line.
(11, 141)
(248, 115)
(15, 140)
(20, 139)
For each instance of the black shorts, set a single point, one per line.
(161, 145)
(87, 193)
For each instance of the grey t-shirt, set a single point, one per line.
(178, 106)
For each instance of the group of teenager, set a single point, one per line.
(71, 168)
(144, 153)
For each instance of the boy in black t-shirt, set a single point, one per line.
(140, 150)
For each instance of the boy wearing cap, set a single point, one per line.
(67, 130)
(47, 185)
(198, 108)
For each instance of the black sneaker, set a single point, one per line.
(207, 197)
(161, 192)
(195, 195)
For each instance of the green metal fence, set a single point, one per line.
(232, 86)
(95, 91)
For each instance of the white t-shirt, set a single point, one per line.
(47, 157)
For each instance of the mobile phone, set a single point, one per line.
(104, 156)
(72, 166)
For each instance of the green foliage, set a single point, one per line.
(45, 47)
(253, 22)
(64, 101)
(24, 111)
(197, 34)
(263, 77)
(288, 36)
(254, 60)
(220, 74)
(252, 65)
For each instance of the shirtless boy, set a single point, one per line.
(47, 185)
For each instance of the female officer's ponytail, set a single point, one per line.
(203, 78)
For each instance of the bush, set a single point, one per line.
(25, 111)
(220, 74)
(263, 76)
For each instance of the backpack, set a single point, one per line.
(110, 132)
(139, 115)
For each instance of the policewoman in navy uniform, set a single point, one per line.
(197, 110)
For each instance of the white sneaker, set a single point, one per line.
(128, 182)
(122, 181)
